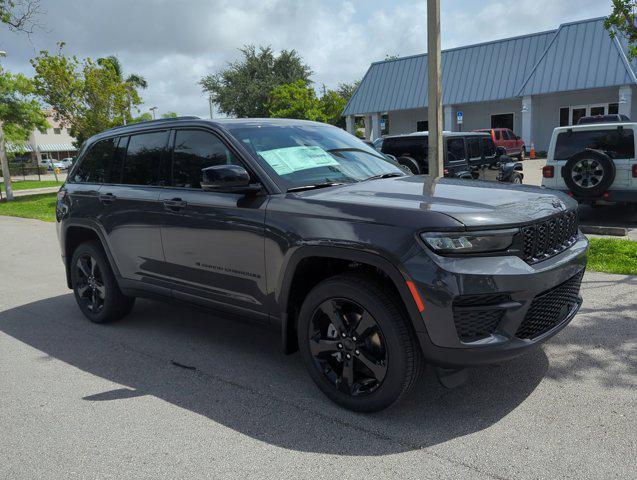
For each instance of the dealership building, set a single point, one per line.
(530, 84)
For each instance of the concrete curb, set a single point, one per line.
(600, 230)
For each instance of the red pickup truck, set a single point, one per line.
(503, 137)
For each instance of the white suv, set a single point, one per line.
(594, 163)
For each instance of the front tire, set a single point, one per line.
(357, 344)
(95, 287)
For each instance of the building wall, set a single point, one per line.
(546, 110)
(478, 115)
(50, 136)
(404, 121)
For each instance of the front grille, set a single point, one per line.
(548, 238)
(477, 316)
(549, 308)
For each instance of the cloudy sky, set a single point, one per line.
(173, 43)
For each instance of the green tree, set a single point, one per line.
(85, 95)
(170, 115)
(132, 83)
(332, 106)
(20, 114)
(243, 88)
(622, 21)
(144, 117)
(295, 100)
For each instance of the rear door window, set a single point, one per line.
(616, 143)
(95, 165)
(143, 157)
(455, 149)
(473, 148)
(498, 135)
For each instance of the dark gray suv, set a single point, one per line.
(368, 271)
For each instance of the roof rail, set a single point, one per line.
(154, 122)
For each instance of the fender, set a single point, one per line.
(396, 274)
(95, 228)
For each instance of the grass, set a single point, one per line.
(40, 207)
(612, 255)
(29, 184)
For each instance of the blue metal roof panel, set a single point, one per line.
(579, 55)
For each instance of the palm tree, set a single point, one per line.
(131, 83)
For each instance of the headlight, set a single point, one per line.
(469, 242)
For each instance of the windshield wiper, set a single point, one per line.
(385, 175)
(314, 186)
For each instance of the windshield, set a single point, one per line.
(311, 154)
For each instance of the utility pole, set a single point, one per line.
(6, 174)
(434, 88)
(153, 109)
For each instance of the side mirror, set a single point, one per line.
(499, 151)
(227, 179)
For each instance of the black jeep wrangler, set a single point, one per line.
(467, 155)
(368, 271)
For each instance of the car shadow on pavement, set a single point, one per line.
(234, 373)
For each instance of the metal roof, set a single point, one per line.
(56, 147)
(499, 70)
(581, 55)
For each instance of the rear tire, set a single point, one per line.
(95, 287)
(351, 315)
(516, 178)
(410, 163)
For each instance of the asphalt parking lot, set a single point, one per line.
(177, 393)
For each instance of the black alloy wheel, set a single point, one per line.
(96, 290)
(91, 290)
(348, 346)
(357, 342)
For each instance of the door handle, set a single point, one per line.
(107, 198)
(175, 204)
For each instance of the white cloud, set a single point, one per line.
(173, 43)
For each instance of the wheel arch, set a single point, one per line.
(285, 294)
(77, 233)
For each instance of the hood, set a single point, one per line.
(476, 204)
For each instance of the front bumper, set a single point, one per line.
(509, 287)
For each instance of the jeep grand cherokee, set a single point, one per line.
(368, 271)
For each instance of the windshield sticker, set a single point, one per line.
(293, 159)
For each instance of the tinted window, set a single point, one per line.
(414, 147)
(505, 135)
(488, 147)
(143, 156)
(306, 154)
(115, 174)
(422, 126)
(473, 147)
(96, 163)
(564, 114)
(613, 108)
(195, 150)
(455, 149)
(497, 135)
(616, 143)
